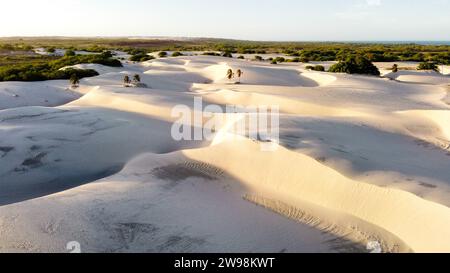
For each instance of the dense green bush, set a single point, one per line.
(355, 64)
(211, 54)
(106, 54)
(162, 54)
(258, 58)
(373, 52)
(227, 54)
(51, 70)
(35, 73)
(177, 54)
(79, 59)
(428, 66)
(95, 49)
(246, 51)
(141, 57)
(134, 51)
(440, 58)
(316, 67)
(70, 53)
(293, 60)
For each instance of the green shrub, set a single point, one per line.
(428, 66)
(304, 60)
(280, 59)
(134, 51)
(294, 60)
(162, 54)
(80, 73)
(227, 54)
(319, 68)
(440, 58)
(50, 70)
(106, 54)
(70, 53)
(96, 49)
(211, 54)
(355, 64)
(79, 59)
(246, 51)
(177, 54)
(141, 57)
(34, 73)
(258, 58)
(316, 67)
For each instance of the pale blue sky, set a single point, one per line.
(241, 19)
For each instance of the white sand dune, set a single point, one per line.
(48, 93)
(360, 159)
(425, 77)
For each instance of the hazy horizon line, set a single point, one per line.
(222, 38)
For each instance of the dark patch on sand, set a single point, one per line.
(179, 172)
(427, 185)
(343, 245)
(5, 150)
(178, 243)
(34, 162)
(129, 232)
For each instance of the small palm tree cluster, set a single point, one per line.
(74, 81)
(231, 75)
(127, 82)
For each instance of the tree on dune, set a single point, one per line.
(395, 68)
(239, 74)
(136, 78)
(230, 74)
(74, 80)
(137, 82)
(126, 81)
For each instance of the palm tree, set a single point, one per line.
(126, 81)
(230, 74)
(74, 80)
(136, 78)
(395, 68)
(239, 74)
